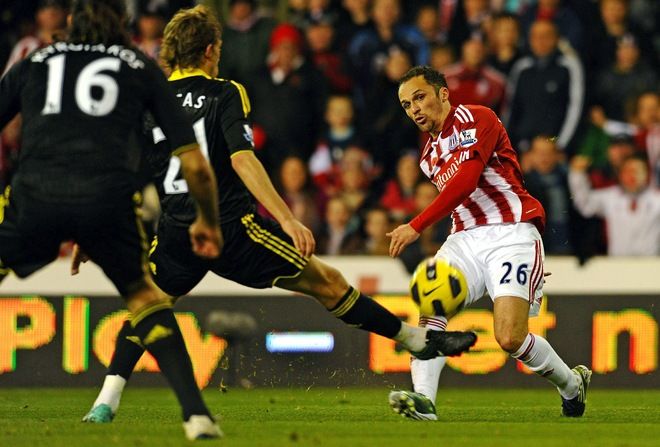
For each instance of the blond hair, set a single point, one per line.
(187, 35)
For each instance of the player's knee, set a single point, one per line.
(509, 341)
(332, 286)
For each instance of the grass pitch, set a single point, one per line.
(333, 417)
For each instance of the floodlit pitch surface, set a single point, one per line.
(344, 417)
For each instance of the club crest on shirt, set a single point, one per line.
(467, 138)
(248, 135)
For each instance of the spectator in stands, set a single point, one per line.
(442, 56)
(355, 18)
(370, 49)
(428, 23)
(289, 97)
(337, 236)
(245, 40)
(626, 78)
(472, 81)
(631, 208)
(50, 19)
(613, 25)
(430, 240)
(504, 42)
(545, 92)
(387, 130)
(150, 26)
(377, 223)
(546, 178)
(354, 190)
(296, 190)
(320, 33)
(562, 15)
(339, 133)
(399, 195)
(470, 20)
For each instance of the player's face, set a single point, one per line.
(422, 104)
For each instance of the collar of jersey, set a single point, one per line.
(187, 73)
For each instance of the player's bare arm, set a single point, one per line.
(255, 178)
(205, 234)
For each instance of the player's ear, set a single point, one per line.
(444, 94)
(208, 51)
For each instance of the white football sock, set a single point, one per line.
(537, 354)
(412, 338)
(426, 373)
(110, 394)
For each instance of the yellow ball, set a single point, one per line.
(438, 289)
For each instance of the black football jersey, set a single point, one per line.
(82, 108)
(220, 111)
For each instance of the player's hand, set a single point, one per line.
(402, 236)
(77, 257)
(303, 239)
(206, 240)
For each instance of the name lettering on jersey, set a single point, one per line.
(467, 138)
(125, 54)
(442, 177)
(188, 100)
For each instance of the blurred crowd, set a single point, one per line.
(575, 82)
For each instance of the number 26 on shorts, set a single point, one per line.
(521, 273)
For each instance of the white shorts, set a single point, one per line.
(501, 259)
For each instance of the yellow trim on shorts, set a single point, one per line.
(154, 244)
(148, 310)
(284, 245)
(272, 242)
(4, 201)
(347, 305)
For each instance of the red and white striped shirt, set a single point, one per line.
(475, 133)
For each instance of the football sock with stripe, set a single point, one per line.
(159, 333)
(359, 310)
(426, 373)
(537, 354)
(128, 350)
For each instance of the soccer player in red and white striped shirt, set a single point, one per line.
(495, 241)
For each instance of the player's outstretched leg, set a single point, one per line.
(575, 407)
(328, 285)
(412, 405)
(156, 328)
(534, 351)
(128, 351)
(420, 404)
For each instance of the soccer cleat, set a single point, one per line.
(201, 427)
(574, 408)
(100, 414)
(412, 405)
(443, 343)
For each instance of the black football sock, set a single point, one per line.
(160, 335)
(359, 310)
(128, 350)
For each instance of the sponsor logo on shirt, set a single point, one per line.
(467, 138)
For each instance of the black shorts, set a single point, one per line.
(31, 232)
(257, 252)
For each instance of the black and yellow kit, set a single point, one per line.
(257, 251)
(82, 108)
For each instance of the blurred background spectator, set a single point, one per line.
(580, 78)
(630, 208)
(546, 91)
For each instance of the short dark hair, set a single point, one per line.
(99, 21)
(433, 77)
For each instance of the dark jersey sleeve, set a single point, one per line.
(11, 85)
(235, 119)
(169, 115)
